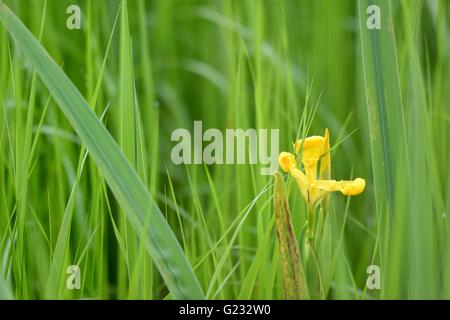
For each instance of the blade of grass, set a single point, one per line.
(249, 280)
(387, 140)
(121, 178)
(5, 292)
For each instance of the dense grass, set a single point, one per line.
(148, 67)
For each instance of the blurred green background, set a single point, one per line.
(232, 64)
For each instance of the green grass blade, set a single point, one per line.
(387, 139)
(128, 189)
(5, 292)
(249, 281)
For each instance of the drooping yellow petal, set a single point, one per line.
(354, 188)
(287, 161)
(302, 182)
(348, 188)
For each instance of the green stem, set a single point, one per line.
(310, 229)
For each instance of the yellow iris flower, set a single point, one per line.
(315, 184)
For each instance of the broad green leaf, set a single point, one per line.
(387, 131)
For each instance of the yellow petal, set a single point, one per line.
(312, 149)
(289, 164)
(301, 181)
(309, 143)
(287, 161)
(348, 188)
(354, 187)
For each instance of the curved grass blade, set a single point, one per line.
(126, 186)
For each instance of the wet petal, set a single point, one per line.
(348, 188)
(301, 181)
(287, 161)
